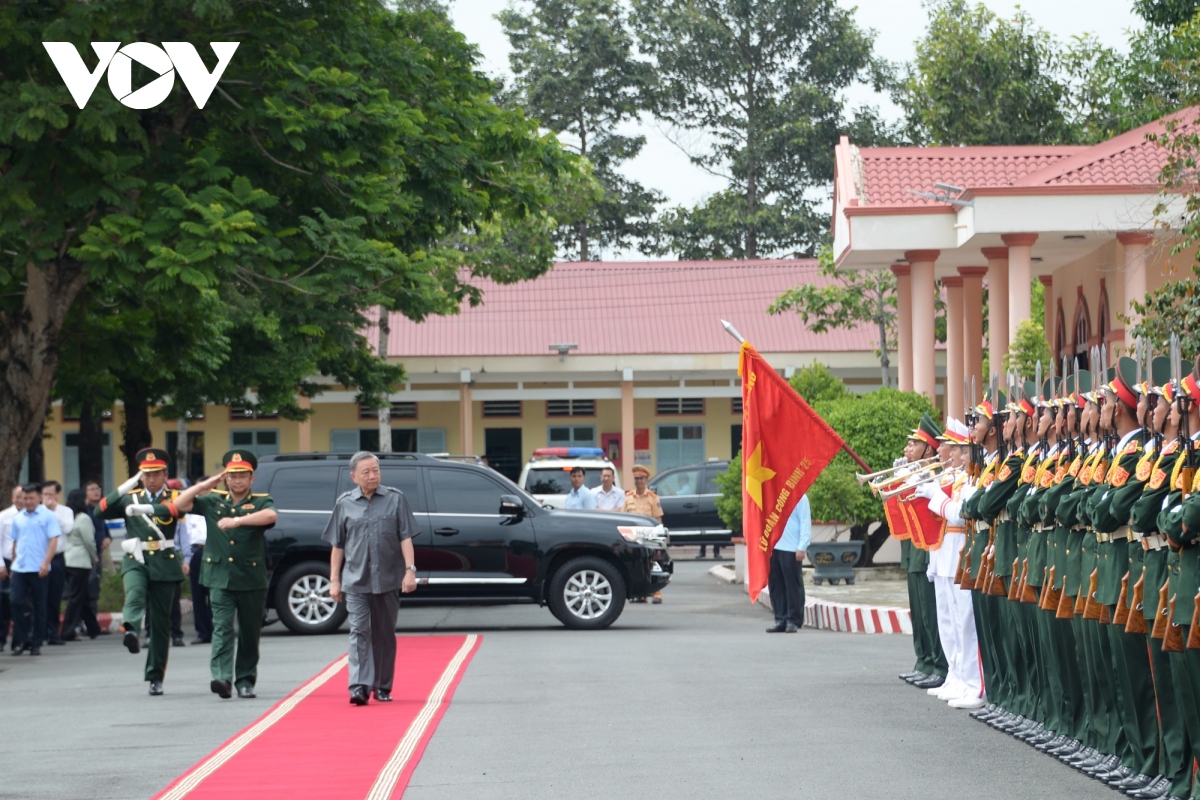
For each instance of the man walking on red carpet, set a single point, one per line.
(371, 534)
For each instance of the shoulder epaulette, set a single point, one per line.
(259, 494)
(221, 492)
(136, 491)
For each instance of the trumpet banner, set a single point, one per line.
(909, 517)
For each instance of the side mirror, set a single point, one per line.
(511, 506)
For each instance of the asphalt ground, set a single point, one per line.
(688, 699)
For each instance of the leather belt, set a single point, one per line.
(1136, 536)
(1154, 541)
(1102, 537)
(165, 544)
(1120, 534)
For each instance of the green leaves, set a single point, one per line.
(1028, 347)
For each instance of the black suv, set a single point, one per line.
(482, 541)
(688, 495)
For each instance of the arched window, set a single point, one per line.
(1060, 334)
(1083, 331)
(1103, 329)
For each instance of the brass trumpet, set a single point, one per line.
(875, 477)
(933, 472)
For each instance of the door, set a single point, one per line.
(678, 493)
(474, 545)
(502, 448)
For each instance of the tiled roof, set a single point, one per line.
(890, 172)
(881, 177)
(626, 308)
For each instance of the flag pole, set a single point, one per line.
(732, 331)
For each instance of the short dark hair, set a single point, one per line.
(35, 488)
(577, 469)
(608, 469)
(57, 486)
(86, 484)
(77, 501)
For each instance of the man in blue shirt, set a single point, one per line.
(785, 582)
(580, 496)
(35, 533)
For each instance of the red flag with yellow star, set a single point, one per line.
(785, 445)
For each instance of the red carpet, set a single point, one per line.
(314, 744)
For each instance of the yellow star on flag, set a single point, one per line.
(757, 475)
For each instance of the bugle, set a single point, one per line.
(911, 467)
(932, 472)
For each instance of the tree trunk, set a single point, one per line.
(37, 458)
(181, 447)
(29, 342)
(135, 431)
(385, 412)
(884, 364)
(91, 445)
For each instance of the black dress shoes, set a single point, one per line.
(55, 641)
(177, 641)
(383, 696)
(358, 696)
(246, 692)
(131, 642)
(790, 628)
(777, 629)
(18, 649)
(908, 676)
(1050, 744)
(932, 682)
(1116, 775)
(35, 651)
(202, 640)
(222, 689)
(1135, 783)
(1159, 788)
(155, 688)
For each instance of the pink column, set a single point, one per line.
(972, 330)
(1020, 274)
(1135, 243)
(904, 353)
(627, 452)
(997, 275)
(924, 369)
(954, 347)
(1048, 317)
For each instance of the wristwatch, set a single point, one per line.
(410, 568)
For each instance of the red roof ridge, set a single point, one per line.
(976, 151)
(1106, 149)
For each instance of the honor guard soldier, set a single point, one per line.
(234, 569)
(151, 569)
(640, 500)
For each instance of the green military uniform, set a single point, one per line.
(1129, 663)
(235, 573)
(151, 573)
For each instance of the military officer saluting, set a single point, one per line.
(151, 569)
(234, 568)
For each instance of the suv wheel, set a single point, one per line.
(587, 593)
(303, 602)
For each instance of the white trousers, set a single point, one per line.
(956, 627)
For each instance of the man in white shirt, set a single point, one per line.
(608, 496)
(57, 579)
(6, 554)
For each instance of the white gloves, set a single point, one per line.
(928, 490)
(139, 510)
(131, 545)
(128, 485)
(901, 460)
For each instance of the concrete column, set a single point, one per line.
(1048, 317)
(465, 415)
(1135, 244)
(954, 347)
(305, 432)
(904, 354)
(997, 275)
(972, 330)
(1020, 273)
(627, 451)
(924, 372)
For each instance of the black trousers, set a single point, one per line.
(201, 610)
(6, 615)
(78, 606)
(786, 584)
(56, 583)
(33, 586)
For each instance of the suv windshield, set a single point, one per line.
(557, 480)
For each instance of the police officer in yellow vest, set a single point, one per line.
(234, 568)
(151, 569)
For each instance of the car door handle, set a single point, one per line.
(689, 505)
(446, 531)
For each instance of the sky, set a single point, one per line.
(897, 24)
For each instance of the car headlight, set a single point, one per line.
(643, 534)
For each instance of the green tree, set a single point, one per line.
(763, 81)
(1029, 346)
(980, 79)
(852, 298)
(1166, 13)
(816, 383)
(346, 144)
(577, 74)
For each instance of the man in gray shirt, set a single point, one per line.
(371, 534)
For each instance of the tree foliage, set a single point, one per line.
(1029, 346)
(346, 152)
(816, 383)
(577, 74)
(763, 82)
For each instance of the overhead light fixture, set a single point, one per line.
(948, 192)
(563, 349)
(1074, 237)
